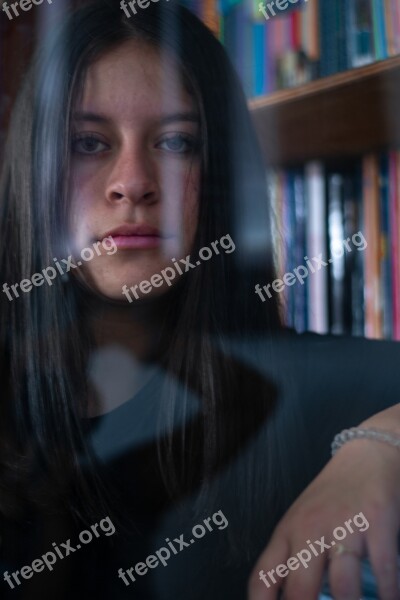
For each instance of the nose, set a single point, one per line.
(133, 179)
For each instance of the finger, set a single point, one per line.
(383, 553)
(305, 579)
(345, 576)
(264, 583)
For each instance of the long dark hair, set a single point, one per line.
(44, 334)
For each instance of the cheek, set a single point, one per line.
(83, 191)
(80, 221)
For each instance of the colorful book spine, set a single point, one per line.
(316, 246)
(327, 35)
(315, 38)
(361, 43)
(210, 15)
(394, 178)
(343, 227)
(354, 263)
(373, 309)
(258, 65)
(379, 28)
(395, 6)
(389, 18)
(336, 252)
(300, 243)
(385, 267)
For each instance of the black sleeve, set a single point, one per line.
(346, 380)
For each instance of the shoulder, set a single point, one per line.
(326, 382)
(312, 356)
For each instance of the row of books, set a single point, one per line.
(302, 40)
(280, 52)
(338, 234)
(364, 31)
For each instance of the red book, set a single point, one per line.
(296, 30)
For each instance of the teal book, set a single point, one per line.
(259, 53)
(379, 29)
(360, 33)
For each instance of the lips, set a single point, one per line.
(135, 236)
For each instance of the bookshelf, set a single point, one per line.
(332, 155)
(309, 136)
(344, 115)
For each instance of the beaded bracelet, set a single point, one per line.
(356, 433)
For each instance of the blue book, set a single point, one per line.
(342, 37)
(259, 52)
(328, 35)
(224, 6)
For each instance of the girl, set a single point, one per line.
(145, 384)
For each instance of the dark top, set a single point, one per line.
(320, 384)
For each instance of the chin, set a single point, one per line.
(128, 290)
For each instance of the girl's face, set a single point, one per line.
(135, 172)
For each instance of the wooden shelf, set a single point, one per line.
(344, 115)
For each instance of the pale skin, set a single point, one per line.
(364, 476)
(133, 160)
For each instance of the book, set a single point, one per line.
(335, 192)
(316, 248)
(306, 40)
(339, 228)
(385, 259)
(394, 195)
(373, 308)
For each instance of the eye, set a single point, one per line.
(179, 143)
(88, 144)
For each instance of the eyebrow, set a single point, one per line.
(192, 117)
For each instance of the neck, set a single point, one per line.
(127, 344)
(135, 328)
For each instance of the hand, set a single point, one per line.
(359, 493)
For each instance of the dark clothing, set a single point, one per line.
(319, 385)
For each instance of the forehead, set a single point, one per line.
(132, 79)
